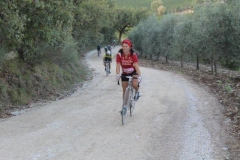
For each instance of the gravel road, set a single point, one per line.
(174, 119)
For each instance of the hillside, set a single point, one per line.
(169, 4)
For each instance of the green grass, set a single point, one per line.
(43, 81)
(169, 4)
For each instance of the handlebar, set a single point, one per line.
(129, 77)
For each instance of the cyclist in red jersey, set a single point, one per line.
(127, 60)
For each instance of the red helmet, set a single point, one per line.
(128, 42)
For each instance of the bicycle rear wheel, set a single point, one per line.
(125, 105)
(107, 68)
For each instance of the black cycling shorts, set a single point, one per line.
(108, 59)
(130, 74)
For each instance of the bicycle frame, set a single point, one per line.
(129, 89)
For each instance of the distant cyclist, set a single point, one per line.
(127, 60)
(109, 48)
(99, 49)
(114, 43)
(107, 57)
(105, 49)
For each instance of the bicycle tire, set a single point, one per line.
(132, 104)
(125, 106)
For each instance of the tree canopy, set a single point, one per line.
(27, 26)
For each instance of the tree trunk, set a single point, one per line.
(167, 59)
(197, 62)
(215, 67)
(181, 61)
(212, 65)
(120, 36)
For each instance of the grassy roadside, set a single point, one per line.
(22, 84)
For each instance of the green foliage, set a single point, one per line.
(67, 54)
(92, 18)
(228, 88)
(133, 3)
(26, 83)
(183, 32)
(156, 4)
(219, 31)
(167, 33)
(147, 34)
(47, 36)
(2, 55)
(128, 18)
(3, 90)
(12, 25)
(209, 34)
(51, 23)
(170, 5)
(158, 8)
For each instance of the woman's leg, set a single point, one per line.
(124, 86)
(135, 83)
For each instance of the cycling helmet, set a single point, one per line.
(108, 52)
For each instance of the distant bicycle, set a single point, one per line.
(107, 67)
(128, 100)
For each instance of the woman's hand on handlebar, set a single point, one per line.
(118, 77)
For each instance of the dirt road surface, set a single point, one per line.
(174, 119)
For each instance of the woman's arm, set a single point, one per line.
(137, 68)
(118, 68)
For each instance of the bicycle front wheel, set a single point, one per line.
(125, 106)
(132, 104)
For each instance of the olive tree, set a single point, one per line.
(126, 18)
(182, 45)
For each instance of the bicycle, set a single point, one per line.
(107, 68)
(128, 100)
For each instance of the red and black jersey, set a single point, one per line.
(127, 62)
